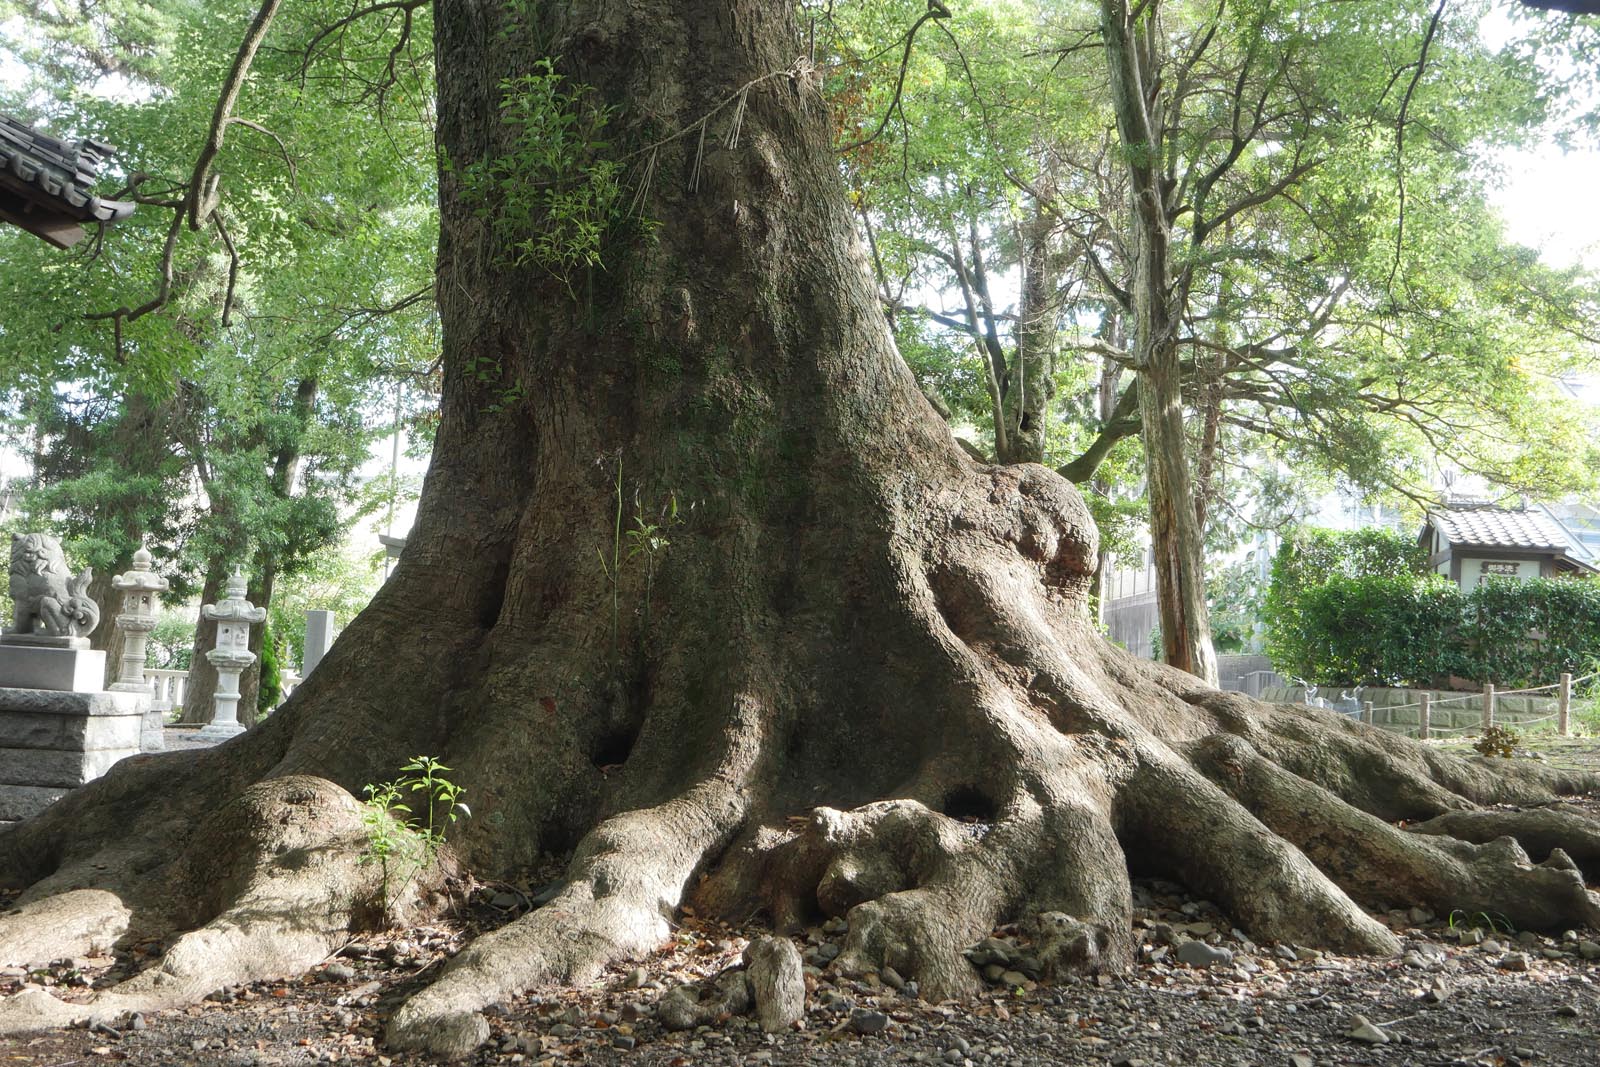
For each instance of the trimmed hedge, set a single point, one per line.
(1527, 633)
(1358, 608)
(1306, 560)
(1421, 630)
(1380, 630)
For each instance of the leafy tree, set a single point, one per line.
(1304, 331)
(1266, 153)
(339, 579)
(171, 642)
(219, 405)
(856, 639)
(270, 687)
(1235, 599)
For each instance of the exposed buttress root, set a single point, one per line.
(625, 883)
(1039, 765)
(272, 885)
(1540, 832)
(1385, 865)
(1215, 846)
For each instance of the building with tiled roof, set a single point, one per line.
(1472, 540)
(47, 185)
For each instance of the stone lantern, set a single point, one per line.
(234, 615)
(140, 588)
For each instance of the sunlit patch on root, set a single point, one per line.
(72, 923)
(279, 875)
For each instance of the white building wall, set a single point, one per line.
(1472, 570)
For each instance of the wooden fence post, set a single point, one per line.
(1366, 712)
(1423, 715)
(1488, 704)
(1564, 705)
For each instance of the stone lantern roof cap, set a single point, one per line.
(140, 578)
(235, 607)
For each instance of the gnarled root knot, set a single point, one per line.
(768, 979)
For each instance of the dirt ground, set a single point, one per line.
(1466, 991)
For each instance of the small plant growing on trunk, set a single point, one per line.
(400, 843)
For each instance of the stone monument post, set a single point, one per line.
(319, 638)
(140, 587)
(234, 615)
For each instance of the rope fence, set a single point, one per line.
(1564, 691)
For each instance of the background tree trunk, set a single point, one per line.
(1030, 381)
(1174, 530)
(199, 697)
(106, 636)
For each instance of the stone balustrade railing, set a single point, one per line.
(168, 687)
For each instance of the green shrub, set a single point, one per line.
(1527, 633)
(1306, 560)
(1381, 630)
(271, 686)
(1405, 627)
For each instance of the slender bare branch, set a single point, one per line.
(1400, 139)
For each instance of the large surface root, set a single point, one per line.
(1540, 831)
(1382, 864)
(70, 923)
(625, 883)
(274, 882)
(1180, 821)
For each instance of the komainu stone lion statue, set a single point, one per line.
(46, 598)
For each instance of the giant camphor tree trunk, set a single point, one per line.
(860, 678)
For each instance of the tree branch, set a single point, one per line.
(1124, 422)
(203, 196)
(936, 10)
(1400, 139)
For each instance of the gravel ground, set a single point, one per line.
(1459, 995)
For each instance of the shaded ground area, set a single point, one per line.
(1466, 991)
(1451, 999)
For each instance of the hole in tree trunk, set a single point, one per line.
(612, 747)
(968, 804)
(494, 596)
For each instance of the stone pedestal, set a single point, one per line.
(52, 742)
(58, 728)
(32, 666)
(234, 615)
(140, 588)
(225, 718)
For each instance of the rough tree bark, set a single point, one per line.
(1174, 530)
(860, 680)
(1030, 379)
